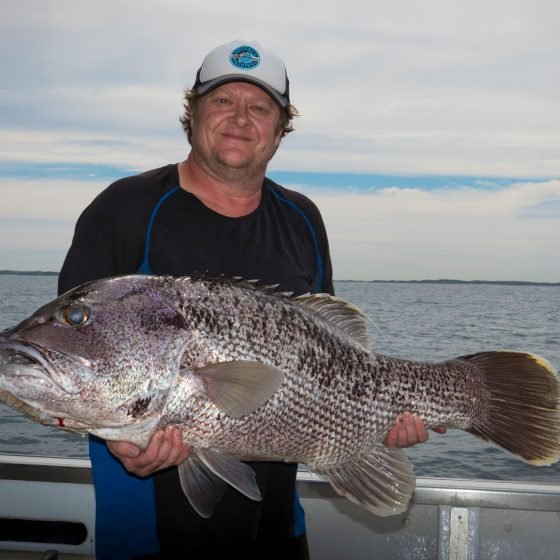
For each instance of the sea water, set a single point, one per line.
(409, 320)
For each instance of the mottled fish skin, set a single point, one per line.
(350, 395)
(252, 375)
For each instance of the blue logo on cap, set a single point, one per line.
(245, 57)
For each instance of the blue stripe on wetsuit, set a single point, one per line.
(144, 268)
(125, 506)
(125, 503)
(318, 257)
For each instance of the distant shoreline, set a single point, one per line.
(450, 281)
(438, 281)
(27, 273)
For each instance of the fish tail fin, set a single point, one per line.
(522, 410)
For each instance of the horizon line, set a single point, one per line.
(10, 272)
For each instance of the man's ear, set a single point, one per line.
(278, 139)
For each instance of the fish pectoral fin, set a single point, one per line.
(382, 481)
(201, 486)
(205, 475)
(240, 387)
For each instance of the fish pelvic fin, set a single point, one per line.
(202, 487)
(239, 387)
(204, 477)
(382, 481)
(522, 413)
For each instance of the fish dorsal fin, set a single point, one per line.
(204, 476)
(341, 313)
(239, 387)
(382, 481)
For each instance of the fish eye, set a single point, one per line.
(74, 315)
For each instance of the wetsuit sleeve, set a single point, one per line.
(106, 242)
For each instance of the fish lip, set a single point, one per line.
(22, 358)
(31, 357)
(26, 366)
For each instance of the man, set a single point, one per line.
(215, 212)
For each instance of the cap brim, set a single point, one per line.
(207, 87)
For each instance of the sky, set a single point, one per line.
(429, 133)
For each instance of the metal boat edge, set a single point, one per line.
(449, 519)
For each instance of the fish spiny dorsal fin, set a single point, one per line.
(268, 288)
(238, 281)
(341, 313)
(253, 284)
(344, 315)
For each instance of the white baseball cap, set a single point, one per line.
(244, 61)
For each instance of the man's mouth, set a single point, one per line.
(236, 137)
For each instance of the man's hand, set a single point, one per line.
(166, 449)
(409, 430)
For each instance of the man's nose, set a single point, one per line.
(241, 113)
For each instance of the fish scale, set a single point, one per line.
(252, 375)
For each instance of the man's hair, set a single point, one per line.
(287, 114)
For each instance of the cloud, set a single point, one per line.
(462, 232)
(37, 220)
(490, 232)
(399, 87)
(548, 209)
(54, 199)
(395, 88)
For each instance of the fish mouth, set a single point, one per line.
(28, 373)
(22, 366)
(28, 363)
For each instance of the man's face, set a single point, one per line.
(235, 130)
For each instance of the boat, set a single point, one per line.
(47, 511)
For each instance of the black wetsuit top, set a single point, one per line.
(147, 224)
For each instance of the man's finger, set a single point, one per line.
(123, 449)
(440, 429)
(393, 435)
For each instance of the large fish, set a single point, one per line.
(252, 375)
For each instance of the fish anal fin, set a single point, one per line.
(341, 313)
(240, 387)
(381, 481)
